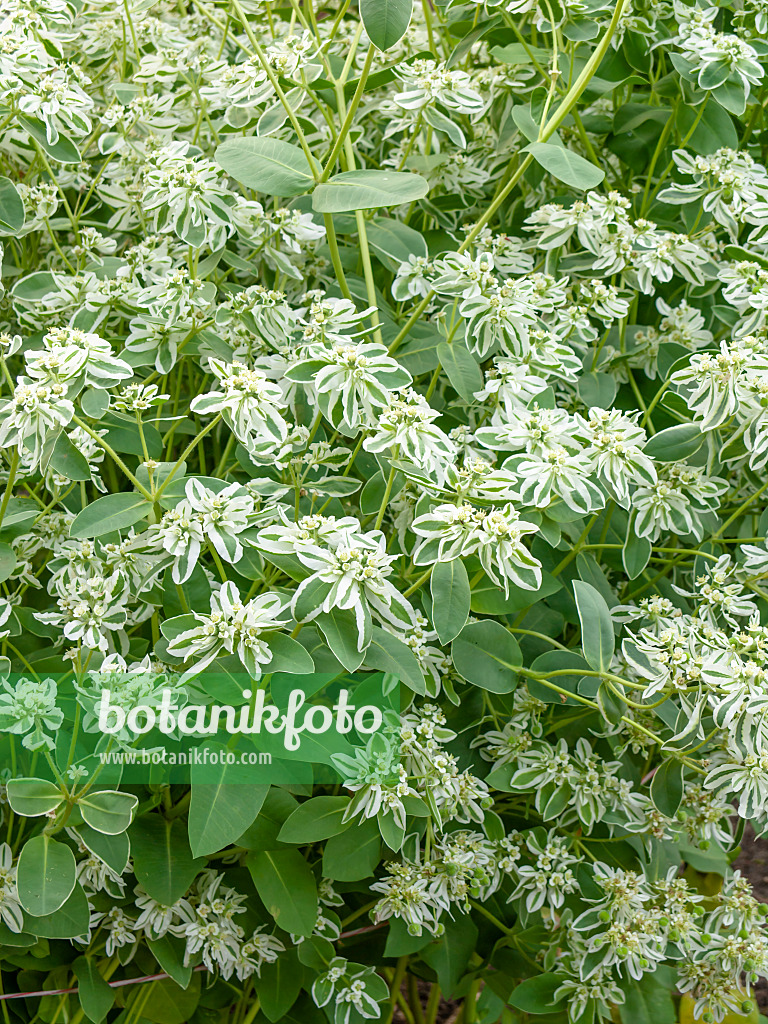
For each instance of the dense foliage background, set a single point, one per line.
(427, 344)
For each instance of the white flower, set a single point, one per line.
(449, 531)
(352, 380)
(28, 708)
(234, 627)
(352, 576)
(34, 409)
(407, 426)
(249, 404)
(10, 908)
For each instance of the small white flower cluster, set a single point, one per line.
(429, 356)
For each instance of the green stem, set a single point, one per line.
(385, 499)
(114, 456)
(15, 459)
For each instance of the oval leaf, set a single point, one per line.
(462, 369)
(451, 595)
(487, 654)
(315, 820)
(268, 165)
(107, 514)
(386, 21)
(108, 812)
(287, 887)
(368, 190)
(45, 876)
(224, 803)
(597, 637)
(566, 166)
(33, 797)
(678, 442)
(11, 208)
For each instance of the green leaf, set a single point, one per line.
(108, 811)
(62, 456)
(339, 628)
(450, 956)
(315, 819)
(391, 238)
(566, 166)
(392, 833)
(711, 129)
(94, 402)
(267, 165)
(169, 952)
(488, 598)
(11, 208)
(385, 21)
(713, 860)
(288, 655)
(400, 942)
(667, 786)
(388, 654)
(354, 854)
(70, 921)
(222, 809)
(162, 860)
(611, 706)
(597, 390)
(674, 443)
(555, 661)
(463, 372)
(279, 984)
(449, 586)
(33, 797)
(262, 834)
(113, 850)
(635, 554)
(486, 654)
(463, 47)
(733, 96)
(45, 876)
(517, 53)
(167, 1003)
(537, 995)
(95, 994)
(7, 561)
(108, 514)
(650, 1001)
(368, 190)
(597, 637)
(286, 885)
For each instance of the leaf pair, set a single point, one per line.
(278, 168)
